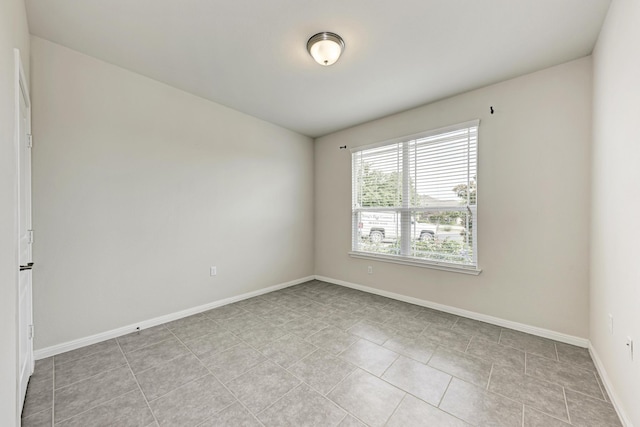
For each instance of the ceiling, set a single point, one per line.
(251, 55)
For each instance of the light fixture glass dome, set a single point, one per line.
(325, 48)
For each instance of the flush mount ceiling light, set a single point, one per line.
(325, 47)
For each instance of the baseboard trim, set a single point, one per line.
(541, 332)
(114, 333)
(533, 330)
(606, 382)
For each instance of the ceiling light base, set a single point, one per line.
(325, 48)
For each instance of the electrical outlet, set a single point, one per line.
(370, 269)
(213, 271)
(630, 347)
(611, 323)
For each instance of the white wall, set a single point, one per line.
(615, 255)
(14, 33)
(140, 187)
(533, 201)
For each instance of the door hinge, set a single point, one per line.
(30, 141)
(31, 332)
(30, 237)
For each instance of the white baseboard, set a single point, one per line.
(114, 333)
(533, 330)
(545, 333)
(626, 422)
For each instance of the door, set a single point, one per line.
(25, 322)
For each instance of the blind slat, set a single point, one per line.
(416, 196)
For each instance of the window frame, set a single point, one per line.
(405, 211)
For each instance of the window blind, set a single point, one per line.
(416, 197)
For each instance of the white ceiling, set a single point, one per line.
(251, 55)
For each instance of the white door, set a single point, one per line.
(25, 322)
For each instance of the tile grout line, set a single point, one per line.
(336, 403)
(468, 345)
(349, 346)
(160, 326)
(241, 374)
(566, 404)
(390, 365)
(490, 374)
(88, 378)
(85, 356)
(230, 393)
(240, 402)
(604, 396)
(431, 355)
(573, 366)
(159, 364)
(347, 413)
(455, 323)
(343, 296)
(217, 379)
(53, 393)
(543, 379)
(179, 387)
(499, 342)
(99, 355)
(420, 398)
(443, 394)
(283, 396)
(219, 412)
(566, 421)
(341, 381)
(587, 395)
(235, 334)
(313, 388)
(306, 357)
(146, 347)
(103, 403)
(395, 409)
(137, 383)
(93, 376)
(331, 355)
(565, 387)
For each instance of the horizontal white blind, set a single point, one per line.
(436, 219)
(379, 177)
(442, 167)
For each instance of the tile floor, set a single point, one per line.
(318, 354)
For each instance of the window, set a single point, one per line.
(414, 199)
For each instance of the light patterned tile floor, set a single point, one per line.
(318, 354)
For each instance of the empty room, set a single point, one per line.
(341, 213)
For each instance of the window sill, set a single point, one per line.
(417, 263)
